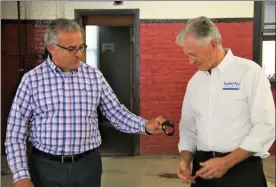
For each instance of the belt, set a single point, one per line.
(61, 158)
(210, 154)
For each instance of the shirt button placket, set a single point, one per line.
(212, 99)
(67, 114)
(210, 109)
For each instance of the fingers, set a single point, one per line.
(209, 175)
(203, 171)
(180, 176)
(202, 164)
(184, 174)
(194, 177)
(154, 125)
(157, 123)
(160, 119)
(206, 172)
(184, 178)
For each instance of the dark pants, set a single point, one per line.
(86, 172)
(247, 173)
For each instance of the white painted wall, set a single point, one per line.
(148, 9)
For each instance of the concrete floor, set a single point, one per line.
(144, 171)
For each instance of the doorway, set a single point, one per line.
(110, 36)
(17, 59)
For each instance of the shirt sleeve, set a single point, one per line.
(187, 126)
(119, 116)
(262, 112)
(16, 133)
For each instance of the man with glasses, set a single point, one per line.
(55, 107)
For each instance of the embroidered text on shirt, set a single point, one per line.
(231, 85)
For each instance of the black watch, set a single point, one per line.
(147, 132)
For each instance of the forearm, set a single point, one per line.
(130, 123)
(123, 120)
(119, 116)
(186, 156)
(237, 156)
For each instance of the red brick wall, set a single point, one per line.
(165, 71)
(37, 32)
(32, 37)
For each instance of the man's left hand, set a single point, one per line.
(154, 125)
(213, 168)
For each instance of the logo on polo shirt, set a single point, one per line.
(231, 85)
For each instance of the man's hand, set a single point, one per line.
(184, 173)
(154, 126)
(23, 183)
(213, 168)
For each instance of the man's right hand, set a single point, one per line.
(184, 173)
(23, 183)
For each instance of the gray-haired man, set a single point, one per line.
(56, 107)
(228, 114)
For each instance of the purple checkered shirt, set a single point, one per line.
(58, 112)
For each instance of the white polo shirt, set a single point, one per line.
(231, 108)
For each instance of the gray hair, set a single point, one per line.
(56, 25)
(202, 28)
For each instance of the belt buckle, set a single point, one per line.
(62, 159)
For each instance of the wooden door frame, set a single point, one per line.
(79, 13)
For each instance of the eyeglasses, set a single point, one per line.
(82, 48)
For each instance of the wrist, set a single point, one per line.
(228, 162)
(147, 132)
(186, 157)
(236, 157)
(145, 127)
(185, 162)
(22, 179)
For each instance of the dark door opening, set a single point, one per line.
(114, 63)
(115, 59)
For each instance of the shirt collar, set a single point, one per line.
(51, 63)
(228, 58)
